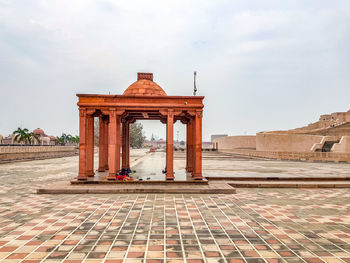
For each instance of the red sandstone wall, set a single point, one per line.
(235, 142)
(286, 142)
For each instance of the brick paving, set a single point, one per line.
(254, 225)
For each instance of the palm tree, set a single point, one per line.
(66, 138)
(21, 135)
(59, 140)
(69, 138)
(34, 138)
(75, 139)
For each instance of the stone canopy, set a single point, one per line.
(142, 100)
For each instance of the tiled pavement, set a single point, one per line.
(255, 225)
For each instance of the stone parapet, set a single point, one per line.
(295, 156)
(34, 148)
(13, 153)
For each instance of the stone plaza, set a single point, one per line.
(253, 225)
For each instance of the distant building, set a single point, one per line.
(331, 133)
(215, 136)
(207, 145)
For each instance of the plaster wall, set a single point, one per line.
(235, 142)
(286, 142)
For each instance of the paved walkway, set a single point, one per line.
(214, 165)
(255, 225)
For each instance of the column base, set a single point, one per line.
(82, 178)
(190, 170)
(101, 169)
(90, 173)
(197, 176)
(170, 177)
(111, 177)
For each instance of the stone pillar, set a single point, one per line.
(112, 133)
(170, 146)
(102, 145)
(128, 145)
(106, 143)
(118, 144)
(124, 142)
(197, 169)
(189, 146)
(82, 145)
(90, 146)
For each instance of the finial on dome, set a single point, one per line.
(148, 76)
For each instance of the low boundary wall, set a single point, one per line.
(295, 156)
(15, 153)
(235, 142)
(287, 142)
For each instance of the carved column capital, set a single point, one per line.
(170, 113)
(90, 112)
(199, 113)
(112, 112)
(82, 112)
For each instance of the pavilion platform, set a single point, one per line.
(142, 177)
(148, 178)
(151, 187)
(283, 182)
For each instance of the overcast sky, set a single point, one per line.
(262, 65)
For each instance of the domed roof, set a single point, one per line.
(39, 132)
(144, 86)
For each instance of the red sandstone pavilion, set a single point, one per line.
(142, 100)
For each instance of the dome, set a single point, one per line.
(39, 132)
(144, 86)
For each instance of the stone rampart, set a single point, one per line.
(14, 153)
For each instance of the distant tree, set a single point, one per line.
(136, 135)
(66, 138)
(22, 136)
(34, 138)
(75, 139)
(182, 143)
(59, 140)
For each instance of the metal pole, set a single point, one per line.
(194, 82)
